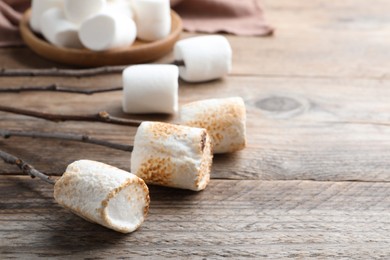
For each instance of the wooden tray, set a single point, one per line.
(139, 52)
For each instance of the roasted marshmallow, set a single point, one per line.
(38, 7)
(58, 31)
(150, 89)
(107, 31)
(205, 57)
(153, 19)
(172, 155)
(224, 120)
(103, 194)
(77, 11)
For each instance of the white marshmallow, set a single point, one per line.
(172, 155)
(153, 31)
(107, 31)
(224, 119)
(77, 11)
(153, 19)
(120, 6)
(150, 89)
(58, 31)
(103, 194)
(205, 57)
(38, 7)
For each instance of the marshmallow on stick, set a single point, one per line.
(153, 19)
(172, 155)
(38, 7)
(224, 120)
(205, 57)
(150, 89)
(58, 31)
(77, 11)
(103, 194)
(107, 30)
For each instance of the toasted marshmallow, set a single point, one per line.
(58, 31)
(103, 194)
(77, 11)
(172, 155)
(150, 89)
(205, 58)
(224, 120)
(107, 31)
(153, 19)
(38, 7)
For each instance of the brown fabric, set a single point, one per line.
(240, 17)
(10, 14)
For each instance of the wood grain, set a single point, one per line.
(342, 39)
(229, 219)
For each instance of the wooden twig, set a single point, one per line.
(58, 88)
(25, 167)
(66, 136)
(56, 72)
(103, 117)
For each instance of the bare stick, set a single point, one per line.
(25, 167)
(66, 136)
(58, 88)
(102, 117)
(56, 72)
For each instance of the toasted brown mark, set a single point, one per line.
(207, 158)
(156, 170)
(203, 141)
(164, 130)
(217, 120)
(147, 197)
(62, 184)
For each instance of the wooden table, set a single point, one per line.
(313, 181)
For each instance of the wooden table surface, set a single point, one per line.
(313, 181)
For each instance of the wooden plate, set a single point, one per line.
(139, 52)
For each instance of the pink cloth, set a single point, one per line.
(240, 17)
(10, 14)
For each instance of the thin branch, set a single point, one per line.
(25, 167)
(58, 88)
(66, 136)
(57, 72)
(103, 117)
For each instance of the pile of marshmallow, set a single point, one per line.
(100, 24)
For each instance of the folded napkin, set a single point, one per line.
(10, 14)
(240, 17)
